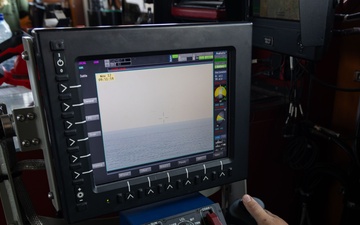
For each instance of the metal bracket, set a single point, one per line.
(28, 129)
(43, 141)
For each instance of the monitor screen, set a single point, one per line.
(170, 111)
(276, 9)
(140, 114)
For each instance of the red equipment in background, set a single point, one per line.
(18, 75)
(199, 10)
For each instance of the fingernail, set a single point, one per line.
(246, 198)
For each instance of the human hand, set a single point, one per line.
(262, 216)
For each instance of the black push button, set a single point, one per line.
(66, 96)
(141, 193)
(81, 206)
(179, 184)
(197, 179)
(73, 150)
(120, 198)
(66, 115)
(69, 133)
(63, 77)
(75, 166)
(78, 182)
(57, 45)
(214, 175)
(161, 188)
(230, 170)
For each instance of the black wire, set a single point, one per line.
(301, 153)
(344, 89)
(356, 141)
(309, 97)
(350, 31)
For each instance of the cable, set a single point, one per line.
(272, 63)
(348, 17)
(305, 218)
(302, 151)
(21, 197)
(345, 89)
(295, 112)
(349, 31)
(333, 86)
(357, 133)
(30, 164)
(25, 202)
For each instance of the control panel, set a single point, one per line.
(208, 215)
(193, 209)
(92, 111)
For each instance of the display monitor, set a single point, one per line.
(136, 115)
(300, 28)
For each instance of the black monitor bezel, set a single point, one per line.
(75, 43)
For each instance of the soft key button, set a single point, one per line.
(57, 45)
(62, 88)
(59, 60)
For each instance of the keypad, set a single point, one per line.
(67, 89)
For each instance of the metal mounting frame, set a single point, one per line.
(42, 139)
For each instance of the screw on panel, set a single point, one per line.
(25, 143)
(51, 195)
(20, 117)
(25, 55)
(30, 116)
(35, 141)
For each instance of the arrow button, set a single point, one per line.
(149, 191)
(74, 158)
(71, 142)
(205, 178)
(62, 88)
(129, 196)
(68, 124)
(65, 107)
(76, 175)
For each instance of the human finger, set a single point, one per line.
(255, 209)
